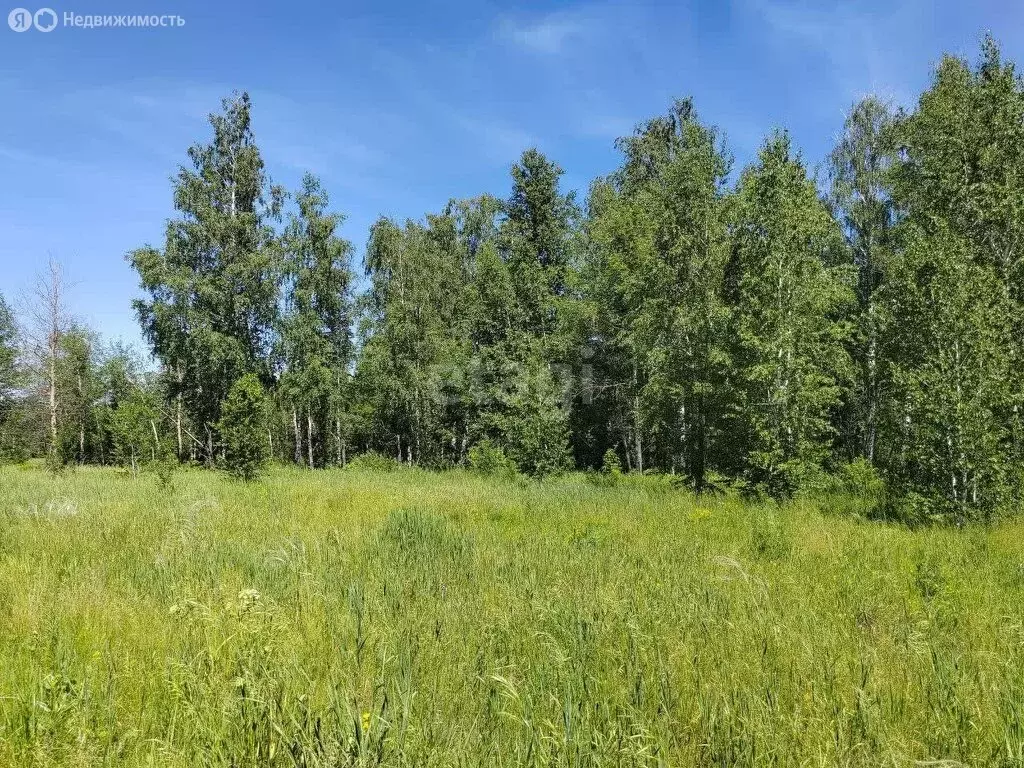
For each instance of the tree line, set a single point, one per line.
(771, 334)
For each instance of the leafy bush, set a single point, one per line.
(164, 466)
(855, 490)
(611, 464)
(717, 483)
(913, 508)
(133, 431)
(243, 428)
(489, 459)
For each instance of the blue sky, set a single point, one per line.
(400, 106)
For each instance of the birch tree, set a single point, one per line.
(316, 327)
(211, 303)
(861, 176)
(48, 320)
(788, 333)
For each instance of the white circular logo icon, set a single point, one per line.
(45, 19)
(20, 20)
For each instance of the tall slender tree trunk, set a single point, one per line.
(309, 438)
(81, 421)
(298, 437)
(700, 448)
(871, 387)
(177, 415)
(637, 438)
(54, 341)
(638, 442)
(339, 448)
(47, 310)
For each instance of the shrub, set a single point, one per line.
(134, 433)
(489, 459)
(860, 478)
(717, 483)
(164, 467)
(856, 490)
(242, 428)
(611, 464)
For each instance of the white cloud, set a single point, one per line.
(550, 34)
(495, 140)
(857, 44)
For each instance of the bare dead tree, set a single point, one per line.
(48, 321)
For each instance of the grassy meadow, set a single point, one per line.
(408, 618)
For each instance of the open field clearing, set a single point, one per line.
(408, 618)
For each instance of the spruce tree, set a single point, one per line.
(527, 366)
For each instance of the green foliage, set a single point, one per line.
(745, 337)
(536, 242)
(135, 425)
(655, 281)
(164, 467)
(8, 354)
(856, 489)
(611, 464)
(77, 390)
(243, 428)
(955, 297)
(371, 461)
(413, 364)
(56, 463)
(861, 169)
(315, 344)
(788, 332)
(489, 459)
(530, 422)
(212, 290)
(11, 447)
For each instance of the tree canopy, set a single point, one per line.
(759, 329)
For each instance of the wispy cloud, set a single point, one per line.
(550, 34)
(854, 40)
(498, 141)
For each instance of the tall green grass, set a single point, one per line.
(406, 618)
